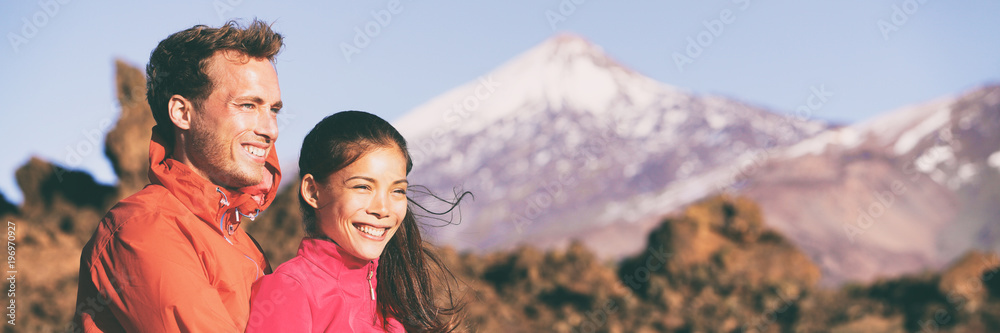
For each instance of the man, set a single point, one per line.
(172, 256)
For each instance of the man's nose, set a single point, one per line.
(267, 125)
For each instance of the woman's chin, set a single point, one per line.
(368, 251)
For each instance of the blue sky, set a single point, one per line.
(57, 82)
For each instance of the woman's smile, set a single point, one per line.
(361, 206)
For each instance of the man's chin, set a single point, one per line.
(258, 182)
(237, 179)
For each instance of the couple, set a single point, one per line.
(173, 257)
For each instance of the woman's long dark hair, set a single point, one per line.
(406, 289)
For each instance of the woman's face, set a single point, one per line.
(361, 206)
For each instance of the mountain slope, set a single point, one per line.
(554, 142)
(901, 193)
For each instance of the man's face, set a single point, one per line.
(235, 127)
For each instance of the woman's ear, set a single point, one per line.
(179, 109)
(310, 190)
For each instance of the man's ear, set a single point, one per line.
(309, 190)
(179, 109)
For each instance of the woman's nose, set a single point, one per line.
(378, 207)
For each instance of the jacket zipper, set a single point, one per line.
(224, 202)
(371, 273)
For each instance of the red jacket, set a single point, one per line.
(172, 257)
(322, 289)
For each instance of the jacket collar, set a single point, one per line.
(210, 202)
(334, 259)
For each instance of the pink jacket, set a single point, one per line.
(322, 289)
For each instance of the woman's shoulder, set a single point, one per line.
(300, 269)
(288, 278)
(296, 268)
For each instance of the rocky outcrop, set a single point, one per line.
(719, 252)
(714, 268)
(61, 209)
(67, 201)
(968, 281)
(6, 208)
(127, 144)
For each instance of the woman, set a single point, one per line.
(363, 266)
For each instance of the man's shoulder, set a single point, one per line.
(149, 216)
(145, 213)
(153, 200)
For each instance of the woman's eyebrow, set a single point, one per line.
(370, 179)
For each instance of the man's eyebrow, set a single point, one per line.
(255, 99)
(258, 100)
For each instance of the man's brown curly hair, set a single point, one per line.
(178, 64)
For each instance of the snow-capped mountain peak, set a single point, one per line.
(563, 140)
(564, 72)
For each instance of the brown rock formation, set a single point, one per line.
(127, 144)
(56, 198)
(6, 208)
(966, 281)
(61, 209)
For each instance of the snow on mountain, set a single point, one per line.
(566, 72)
(562, 141)
(901, 128)
(900, 193)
